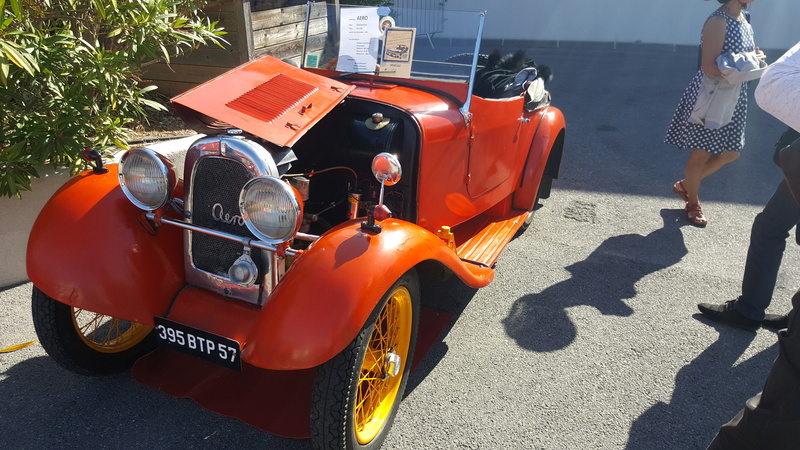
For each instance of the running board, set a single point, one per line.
(490, 235)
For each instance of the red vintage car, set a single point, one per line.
(292, 235)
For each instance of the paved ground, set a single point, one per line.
(587, 339)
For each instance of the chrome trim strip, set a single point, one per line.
(306, 236)
(465, 109)
(232, 237)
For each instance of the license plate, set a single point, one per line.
(199, 343)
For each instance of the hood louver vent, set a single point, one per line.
(266, 97)
(272, 99)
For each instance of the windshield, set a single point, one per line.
(396, 42)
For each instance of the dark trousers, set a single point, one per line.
(771, 420)
(767, 242)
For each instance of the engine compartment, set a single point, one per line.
(333, 165)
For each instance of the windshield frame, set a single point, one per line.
(425, 79)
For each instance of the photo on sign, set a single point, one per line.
(398, 44)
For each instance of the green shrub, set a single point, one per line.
(70, 75)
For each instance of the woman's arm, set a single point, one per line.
(713, 39)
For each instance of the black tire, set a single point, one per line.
(88, 343)
(528, 220)
(344, 382)
(466, 58)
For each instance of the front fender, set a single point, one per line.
(86, 249)
(326, 296)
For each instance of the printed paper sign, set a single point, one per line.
(360, 33)
(398, 52)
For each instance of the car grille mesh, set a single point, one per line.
(215, 193)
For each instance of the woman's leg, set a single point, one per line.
(715, 162)
(693, 173)
(700, 165)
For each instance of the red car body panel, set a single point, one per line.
(549, 129)
(301, 325)
(266, 97)
(469, 168)
(87, 249)
(90, 247)
(135, 276)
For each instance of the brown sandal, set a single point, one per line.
(680, 190)
(695, 214)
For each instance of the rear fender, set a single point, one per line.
(545, 152)
(87, 249)
(329, 292)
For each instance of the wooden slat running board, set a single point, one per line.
(487, 244)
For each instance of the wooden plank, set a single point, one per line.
(292, 49)
(226, 19)
(282, 16)
(254, 28)
(260, 5)
(286, 33)
(181, 72)
(244, 44)
(210, 56)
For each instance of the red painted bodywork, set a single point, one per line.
(88, 248)
(302, 325)
(135, 276)
(265, 97)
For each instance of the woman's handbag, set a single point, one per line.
(717, 96)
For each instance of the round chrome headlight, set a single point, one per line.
(271, 209)
(145, 178)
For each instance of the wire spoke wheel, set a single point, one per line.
(86, 342)
(357, 393)
(107, 334)
(377, 384)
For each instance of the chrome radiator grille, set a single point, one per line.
(215, 205)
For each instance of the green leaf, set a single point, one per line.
(153, 104)
(63, 87)
(115, 32)
(17, 8)
(99, 6)
(20, 60)
(4, 70)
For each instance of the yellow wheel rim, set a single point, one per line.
(377, 388)
(107, 334)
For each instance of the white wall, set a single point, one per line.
(677, 22)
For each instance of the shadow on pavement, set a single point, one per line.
(706, 391)
(45, 406)
(539, 322)
(451, 296)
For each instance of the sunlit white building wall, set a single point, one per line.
(626, 21)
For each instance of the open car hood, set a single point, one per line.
(269, 98)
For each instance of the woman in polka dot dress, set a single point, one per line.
(726, 30)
